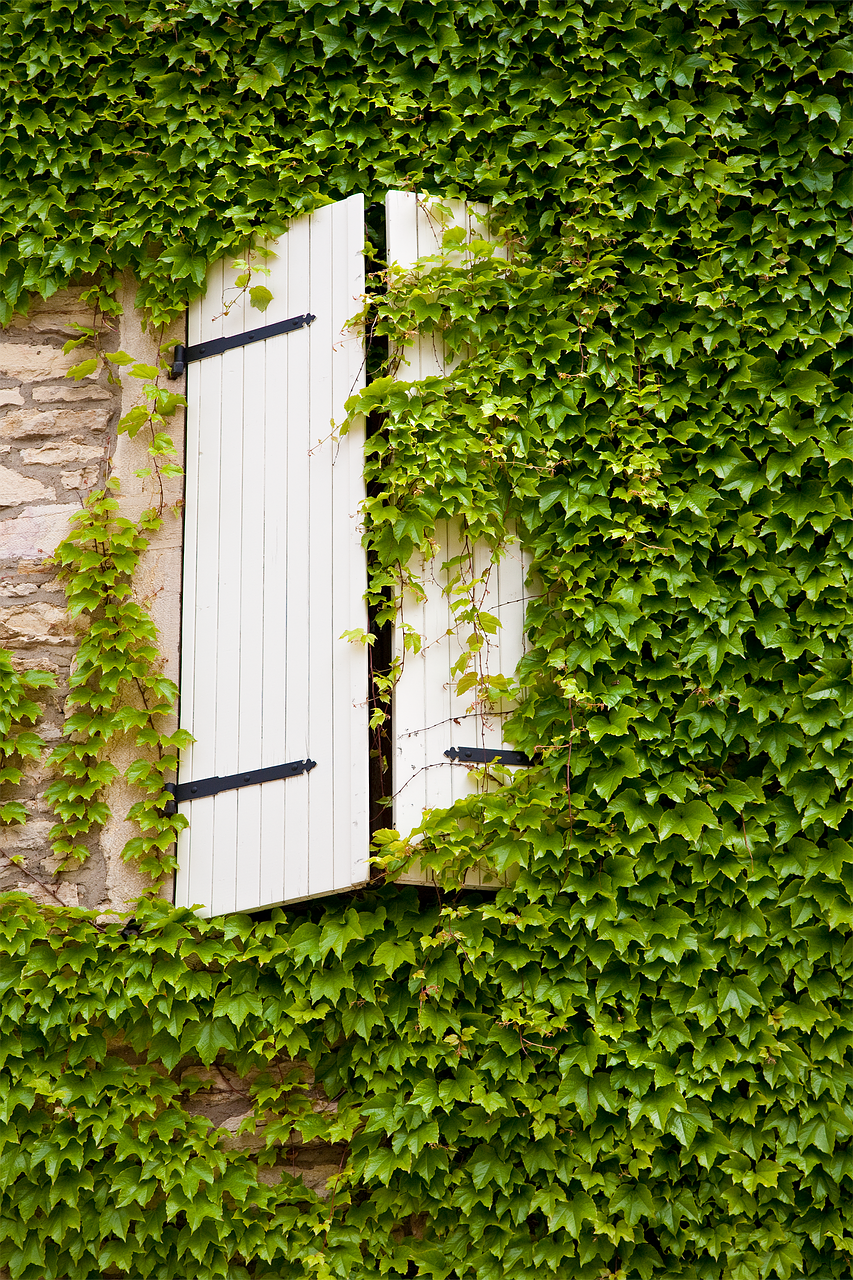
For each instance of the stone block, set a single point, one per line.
(10, 395)
(29, 838)
(230, 1139)
(68, 894)
(63, 312)
(35, 532)
(316, 1178)
(16, 489)
(57, 455)
(37, 363)
(35, 622)
(30, 424)
(65, 392)
(85, 478)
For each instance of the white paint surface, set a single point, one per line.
(274, 573)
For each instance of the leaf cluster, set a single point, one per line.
(17, 743)
(117, 690)
(609, 1069)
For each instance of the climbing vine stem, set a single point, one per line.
(117, 690)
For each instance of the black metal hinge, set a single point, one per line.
(487, 755)
(215, 346)
(230, 782)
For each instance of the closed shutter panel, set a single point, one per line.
(274, 573)
(429, 716)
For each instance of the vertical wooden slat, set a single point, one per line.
(429, 717)
(275, 572)
(349, 610)
(200, 589)
(298, 248)
(320, 579)
(252, 673)
(277, 482)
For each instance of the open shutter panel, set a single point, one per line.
(274, 573)
(429, 717)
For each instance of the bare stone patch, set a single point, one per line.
(68, 894)
(65, 393)
(16, 489)
(31, 838)
(52, 455)
(35, 533)
(32, 423)
(36, 364)
(63, 313)
(10, 395)
(35, 622)
(85, 478)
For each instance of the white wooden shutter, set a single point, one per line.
(274, 573)
(429, 716)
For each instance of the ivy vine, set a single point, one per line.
(117, 687)
(19, 744)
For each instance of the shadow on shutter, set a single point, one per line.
(430, 718)
(274, 573)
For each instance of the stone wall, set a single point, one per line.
(58, 441)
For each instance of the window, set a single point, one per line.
(275, 573)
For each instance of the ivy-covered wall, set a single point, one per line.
(57, 441)
(63, 440)
(635, 1061)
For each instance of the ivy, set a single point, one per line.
(609, 1069)
(117, 689)
(18, 744)
(633, 1061)
(217, 121)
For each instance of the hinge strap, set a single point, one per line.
(215, 346)
(212, 786)
(487, 755)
